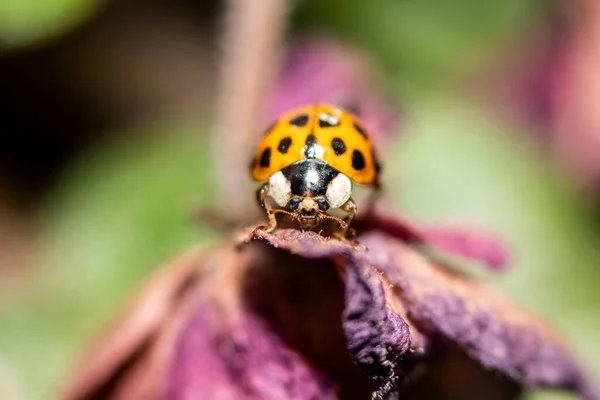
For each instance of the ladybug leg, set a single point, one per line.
(345, 230)
(343, 225)
(262, 197)
(350, 208)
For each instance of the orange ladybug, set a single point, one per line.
(310, 157)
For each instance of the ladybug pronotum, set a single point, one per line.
(309, 159)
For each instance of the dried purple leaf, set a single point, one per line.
(246, 359)
(293, 313)
(376, 336)
(492, 330)
(468, 243)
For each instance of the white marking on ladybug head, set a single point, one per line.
(280, 188)
(338, 191)
(312, 177)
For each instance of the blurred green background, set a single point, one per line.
(107, 109)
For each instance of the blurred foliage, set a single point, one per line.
(124, 207)
(24, 22)
(119, 211)
(423, 42)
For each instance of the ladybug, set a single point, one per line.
(309, 159)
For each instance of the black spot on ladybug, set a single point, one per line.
(311, 140)
(265, 158)
(358, 160)
(376, 162)
(300, 121)
(326, 120)
(270, 128)
(339, 147)
(361, 130)
(284, 144)
(309, 146)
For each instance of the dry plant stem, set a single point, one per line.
(253, 37)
